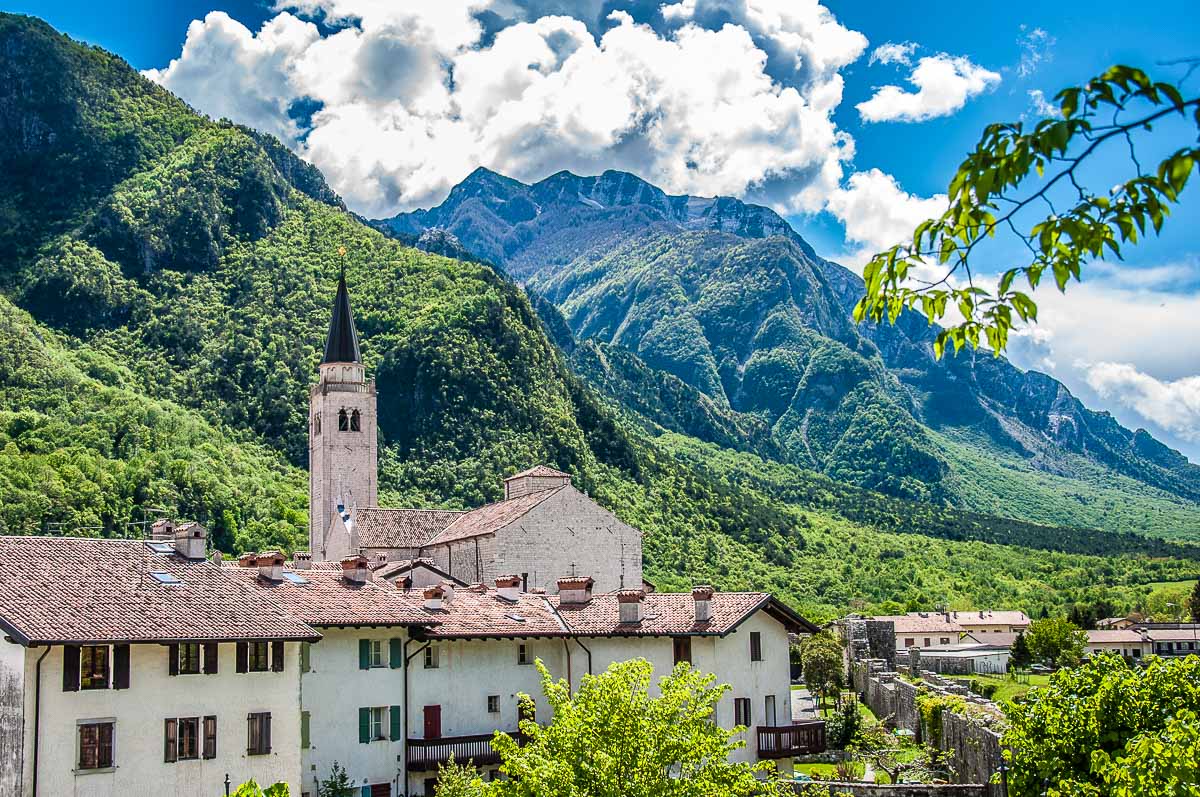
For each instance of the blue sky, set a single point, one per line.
(777, 101)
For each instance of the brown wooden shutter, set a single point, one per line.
(277, 655)
(210, 658)
(70, 668)
(172, 660)
(120, 666)
(170, 741)
(210, 737)
(266, 732)
(243, 657)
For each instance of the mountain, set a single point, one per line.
(160, 325)
(730, 299)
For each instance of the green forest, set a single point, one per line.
(166, 296)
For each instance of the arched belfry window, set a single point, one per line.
(355, 422)
(316, 424)
(343, 421)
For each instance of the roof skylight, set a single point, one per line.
(163, 577)
(295, 578)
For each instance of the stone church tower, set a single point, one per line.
(342, 440)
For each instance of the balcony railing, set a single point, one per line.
(785, 741)
(427, 754)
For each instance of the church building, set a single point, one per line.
(542, 530)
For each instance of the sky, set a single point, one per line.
(849, 117)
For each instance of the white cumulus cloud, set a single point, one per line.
(1173, 405)
(944, 84)
(878, 213)
(893, 53)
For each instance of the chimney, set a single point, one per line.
(630, 602)
(216, 558)
(191, 541)
(355, 569)
(702, 596)
(433, 597)
(534, 480)
(381, 559)
(509, 587)
(448, 590)
(162, 529)
(575, 589)
(270, 565)
(247, 559)
(302, 560)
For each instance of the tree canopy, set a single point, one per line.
(1056, 641)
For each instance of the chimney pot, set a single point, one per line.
(191, 541)
(434, 596)
(302, 560)
(509, 587)
(381, 559)
(630, 603)
(575, 589)
(270, 565)
(702, 596)
(356, 570)
(247, 559)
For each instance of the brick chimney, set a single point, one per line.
(702, 597)
(302, 560)
(270, 565)
(509, 587)
(575, 589)
(191, 541)
(434, 596)
(356, 569)
(381, 559)
(630, 603)
(534, 480)
(248, 559)
(162, 530)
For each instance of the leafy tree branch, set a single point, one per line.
(994, 186)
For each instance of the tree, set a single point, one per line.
(338, 784)
(875, 743)
(613, 738)
(994, 190)
(1019, 657)
(458, 780)
(1194, 602)
(1056, 641)
(252, 789)
(821, 659)
(1106, 727)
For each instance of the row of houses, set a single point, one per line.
(132, 667)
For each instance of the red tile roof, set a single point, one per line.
(539, 471)
(1118, 635)
(73, 589)
(671, 613)
(328, 599)
(493, 517)
(400, 528)
(400, 567)
(471, 614)
(933, 623)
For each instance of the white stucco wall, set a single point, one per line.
(139, 713)
(12, 717)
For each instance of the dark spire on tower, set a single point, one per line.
(342, 344)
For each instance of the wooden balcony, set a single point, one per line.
(785, 741)
(427, 754)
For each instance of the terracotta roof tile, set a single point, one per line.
(538, 471)
(489, 519)
(328, 599)
(479, 614)
(74, 589)
(400, 528)
(662, 613)
(933, 623)
(1120, 635)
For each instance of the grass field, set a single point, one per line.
(1008, 688)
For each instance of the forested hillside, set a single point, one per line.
(732, 301)
(171, 310)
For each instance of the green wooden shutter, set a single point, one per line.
(364, 654)
(395, 653)
(304, 729)
(305, 653)
(397, 723)
(366, 791)
(364, 725)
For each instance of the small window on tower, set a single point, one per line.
(316, 424)
(343, 421)
(355, 422)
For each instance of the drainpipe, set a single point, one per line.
(407, 658)
(567, 650)
(579, 642)
(37, 715)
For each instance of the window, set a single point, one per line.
(257, 657)
(756, 646)
(524, 582)
(431, 658)
(343, 421)
(926, 641)
(376, 648)
(295, 578)
(189, 738)
(378, 723)
(305, 656)
(189, 658)
(682, 649)
(305, 724)
(316, 424)
(909, 642)
(258, 734)
(163, 577)
(430, 787)
(170, 740)
(523, 654)
(769, 715)
(944, 640)
(741, 711)
(210, 737)
(93, 667)
(493, 704)
(355, 422)
(95, 745)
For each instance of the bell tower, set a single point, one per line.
(342, 440)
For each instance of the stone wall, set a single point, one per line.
(900, 790)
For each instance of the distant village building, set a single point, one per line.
(131, 667)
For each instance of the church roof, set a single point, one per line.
(400, 528)
(341, 345)
(536, 471)
(493, 517)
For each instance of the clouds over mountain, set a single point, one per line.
(944, 84)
